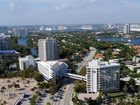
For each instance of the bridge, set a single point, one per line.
(75, 76)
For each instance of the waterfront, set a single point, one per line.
(22, 41)
(135, 41)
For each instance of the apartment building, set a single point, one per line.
(103, 76)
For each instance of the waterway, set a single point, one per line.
(23, 42)
(135, 41)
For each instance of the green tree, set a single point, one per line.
(38, 77)
(52, 86)
(82, 71)
(43, 85)
(33, 100)
(80, 86)
(48, 103)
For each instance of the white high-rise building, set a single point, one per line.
(25, 62)
(135, 27)
(52, 69)
(126, 29)
(103, 76)
(48, 49)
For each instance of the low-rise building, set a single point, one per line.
(136, 49)
(9, 54)
(26, 62)
(133, 66)
(114, 60)
(52, 69)
(136, 59)
(126, 79)
(103, 76)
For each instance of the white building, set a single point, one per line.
(52, 69)
(102, 76)
(86, 27)
(126, 29)
(25, 62)
(136, 59)
(48, 49)
(135, 27)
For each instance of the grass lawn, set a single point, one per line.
(116, 94)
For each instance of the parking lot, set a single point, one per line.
(14, 89)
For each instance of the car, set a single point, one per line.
(61, 97)
(43, 95)
(56, 96)
(29, 98)
(24, 99)
(19, 103)
(55, 99)
(26, 95)
(39, 101)
(51, 97)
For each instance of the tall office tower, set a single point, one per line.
(48, 49)
(126, 29)
(103, 76)
(4, 42)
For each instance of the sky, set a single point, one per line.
(47, 12)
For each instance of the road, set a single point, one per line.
(69, 88)
(66, 91)
(86, 59)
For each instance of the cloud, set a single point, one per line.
(12, 6)
(132, 4)
(64, 11)
(72, 5)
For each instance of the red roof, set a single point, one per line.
(97, 56)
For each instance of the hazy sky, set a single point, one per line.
(30, 12)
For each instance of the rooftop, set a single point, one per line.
(97, 56)
(98, 63)
(49, 63)
(8, 52)
(47, 38)
(2, 35)
(52, 63)
(26, 58)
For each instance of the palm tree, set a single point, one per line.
(125, 88)
(1, 93)
(28, 83)
(14, 86)
(9, 87)
(3, 89)
(23, 80)
(8, 81)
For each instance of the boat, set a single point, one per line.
(129, 40)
